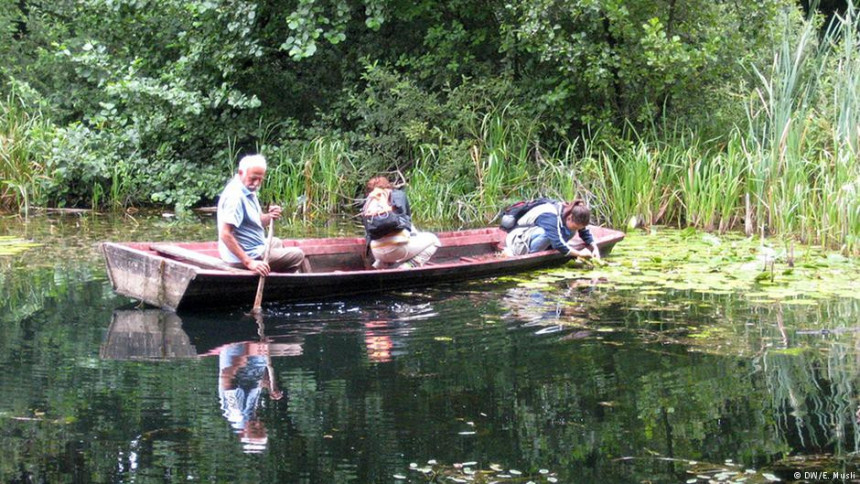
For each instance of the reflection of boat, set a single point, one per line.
(146, 334)
(190, 275)
(156, 334)
(245, 366)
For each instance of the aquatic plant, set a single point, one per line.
(500, 156)
(311, 180)
(800, 151)
(24, 139)
(10, 245)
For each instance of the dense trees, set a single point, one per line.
(162, 93)
(140, 101)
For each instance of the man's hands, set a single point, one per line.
(258, 266)
(274, 213)
(225, 232)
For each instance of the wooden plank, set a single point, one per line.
(196, 257)
(148, 277)
(471, 239)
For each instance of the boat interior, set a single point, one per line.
(341, 254)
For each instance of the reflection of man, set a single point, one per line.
(246, 370)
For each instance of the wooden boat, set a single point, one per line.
(180, 276)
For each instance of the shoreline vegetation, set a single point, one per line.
(787, 168)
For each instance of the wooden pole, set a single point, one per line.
(258, 301)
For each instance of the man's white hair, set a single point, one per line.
(252, 160)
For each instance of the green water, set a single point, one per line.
(676, 362)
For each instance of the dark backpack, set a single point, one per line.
(380, 218)
(512, 214)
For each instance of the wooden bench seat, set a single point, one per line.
(195, 257)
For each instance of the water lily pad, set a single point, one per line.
(13, 245)
(804, 302)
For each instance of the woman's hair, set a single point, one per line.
(577, 211)
(377, 182)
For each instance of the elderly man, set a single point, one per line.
(241, 237)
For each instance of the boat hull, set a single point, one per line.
(339, 267)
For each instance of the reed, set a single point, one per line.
(500, 157)
(284, 183)
(636, 182)
(24, 141)
(433, 198)
(313, 179)
(801, 143)
(844, 193)
(711, 186)
(325, 168)
(560, 172)
(120, 192)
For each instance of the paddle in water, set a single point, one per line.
(258, 301)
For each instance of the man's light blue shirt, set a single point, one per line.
(240, 208)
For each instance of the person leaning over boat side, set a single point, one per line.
(241, 237)
(405, 248)
(553, 225)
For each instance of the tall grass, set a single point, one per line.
(501, 157)
(711, 187)
(635, 181)
(433, 198)
(24, 141)
(316, 181)
(802, 138)
(844, 193)
(560, 172)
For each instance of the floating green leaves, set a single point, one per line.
(685, 260)
(12, 245)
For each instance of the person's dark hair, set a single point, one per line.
(377, 182)
(577, 211)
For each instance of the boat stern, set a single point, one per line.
(142, 275)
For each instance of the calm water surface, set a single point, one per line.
(477, 382)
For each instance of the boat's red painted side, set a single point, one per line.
(339, 268)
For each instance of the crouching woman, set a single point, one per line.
(553, 225)
(398, 246)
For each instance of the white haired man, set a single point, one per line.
(241, 237)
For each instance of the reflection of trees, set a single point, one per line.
(617, 401)
(573, 405)
(815, 398)
(809, 359)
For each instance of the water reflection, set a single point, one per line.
(146, 334)
(378, 341)
(553, 310)
(595, 384)
(245, 373)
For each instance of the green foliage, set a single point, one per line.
(632, 61)
(146, 87)
(310, 20)
(802, 158)
(24, 142)
(318, 179)
(394, 115)
(472, 104)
